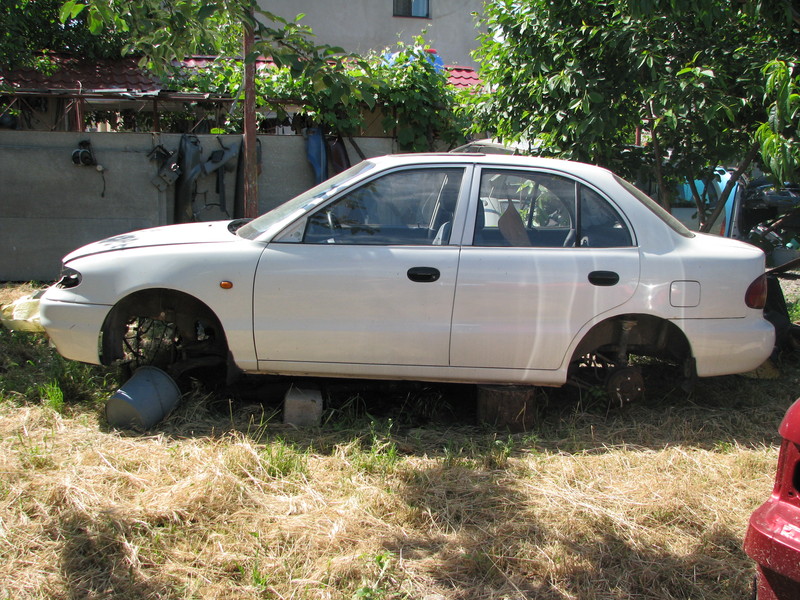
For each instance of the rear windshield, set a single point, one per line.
(662, 214)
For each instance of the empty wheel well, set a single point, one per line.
(646, 335)
(194, 322)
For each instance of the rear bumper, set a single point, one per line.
(728, 346)
(74, 328)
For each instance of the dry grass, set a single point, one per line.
(222, 502)
(11, 291)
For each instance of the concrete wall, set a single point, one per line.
(49, 206)
(362, 25)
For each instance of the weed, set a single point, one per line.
(283, 460)
(725, 447)
(52, 396)
(498, 453)
(794, 310)
(455, 455)
(254, 574)
(379, 454)
(375, 590)
(33, 455)
(348, 415)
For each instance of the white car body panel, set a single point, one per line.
(194, 268)
(495, 314)
(368, 298)
(527, 304)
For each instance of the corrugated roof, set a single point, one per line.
(73, 74)
(125, 76)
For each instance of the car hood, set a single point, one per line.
(169, 235)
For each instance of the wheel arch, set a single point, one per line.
(647, 335)
(158, 304)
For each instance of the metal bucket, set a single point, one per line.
(143, 400)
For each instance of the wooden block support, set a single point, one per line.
(510, 406)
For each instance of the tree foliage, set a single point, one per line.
(165, 31)
(417, 102)
(332, 87)
(779, 135)
(580, 77)
(409, 95)
(32, 29)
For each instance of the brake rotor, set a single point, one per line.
(625, 385)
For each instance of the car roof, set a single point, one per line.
(583, 170)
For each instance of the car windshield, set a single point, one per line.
(674, 223)
(302, 203)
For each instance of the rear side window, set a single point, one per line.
(600, 225)
(656, 208)
(544, 210)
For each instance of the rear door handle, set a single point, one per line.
(423, 274)
(603, 278)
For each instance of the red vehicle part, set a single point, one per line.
(773, 536)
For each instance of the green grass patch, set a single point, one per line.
(32, 371)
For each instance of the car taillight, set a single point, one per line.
(756, 295)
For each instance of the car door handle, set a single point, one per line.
(423, 274)
(603, 278)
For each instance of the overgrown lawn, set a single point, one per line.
(398, 495)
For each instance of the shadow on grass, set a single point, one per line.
(474, 533)
(720, 412)
(487, 542)
(98, 560)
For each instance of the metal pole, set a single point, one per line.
(249, 137)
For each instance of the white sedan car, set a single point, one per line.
(437, 267)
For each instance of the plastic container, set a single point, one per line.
(143, 400)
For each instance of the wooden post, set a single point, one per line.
(508, 406)
(249, 134)
(78, 114)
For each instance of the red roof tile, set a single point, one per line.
(462, 77)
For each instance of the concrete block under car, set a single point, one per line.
(302, 406)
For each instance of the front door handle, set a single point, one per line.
(423, 274)
(603, 278)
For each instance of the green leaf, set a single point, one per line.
(94, 22)
(70, 10)
(206, 11)
(319, 84)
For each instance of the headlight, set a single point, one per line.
(70, 278)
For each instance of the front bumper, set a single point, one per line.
(773, 542)
(74, 327)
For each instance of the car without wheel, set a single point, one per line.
(449, 267)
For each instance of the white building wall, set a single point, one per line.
(362, 25)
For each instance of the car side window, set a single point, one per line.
(408, 207)
(524, 208)
(538, 209)
(600, 224)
